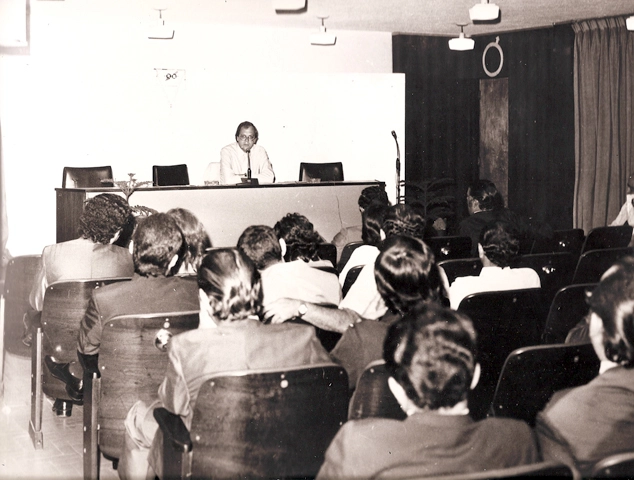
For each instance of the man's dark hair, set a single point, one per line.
(261, 245)
(104, 216)
(406, 274)
(402, 219)
(247, 125)
(373, 218)
(431, 353)
(500, 242)
(374, 194)
(300, 236)
(487, 195)
(156, 240)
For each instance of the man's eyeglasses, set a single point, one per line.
(244, 138)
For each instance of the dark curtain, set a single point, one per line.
(604, 126)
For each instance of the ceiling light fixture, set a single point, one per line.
(461, 42)
(160, 31)
(484, 11)
(323, 37)
(630, 23)
(289, 5)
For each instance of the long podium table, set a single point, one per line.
(226, 210)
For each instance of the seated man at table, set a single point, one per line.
(498, 248)
(430, 355)
(92, 255)
(583, 425)
(236, 157)
(157, 251)
(295, 279)
(230, 337)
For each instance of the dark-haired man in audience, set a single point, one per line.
(369, 195)
(157, 251)
(498, 247)
(431, 357)
(485, 205)
(295, 279)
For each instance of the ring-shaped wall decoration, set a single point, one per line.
(495, 45)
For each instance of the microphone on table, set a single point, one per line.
(398, 169)
(249, 164)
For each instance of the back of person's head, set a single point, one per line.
(197, 240)
(373, 217)
(374, 194)
(500, 243)
(156, 240)
(406, 274)
(103, 217)
(487, 195)
(261, 245)
(612, 300)
(245, 125)
(232, 283)
(431, 353)
(300, 236)
(402, 219)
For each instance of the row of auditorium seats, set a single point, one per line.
(125, 377)
(166, 175)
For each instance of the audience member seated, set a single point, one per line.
(406, 275)
(230, 337)
(92, 255)
(363, 297)
(498, 247)
(301, 239)
(295, 279)
(373, 217)
(485, 205)
(587, 423)
(157, 253)
(430, 355)
(197, 240)
(354, 233)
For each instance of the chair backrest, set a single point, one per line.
(542, 469)
(607, 237)
(592, 264)
(555, 270)
(620, 465)
(165, 175)
(531, 375)
(570, 241)
(132, 363)
(446, 248)
(346, 253)
(86, 177)
(372, 396)
(461, 267)
(323, 172)
(268, 423)
(64, 308)
(351, 277)
(504, 321)
(567, 309)
(19, 277)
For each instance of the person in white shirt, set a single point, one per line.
(497, 248)
(626, 215)
(235, 157)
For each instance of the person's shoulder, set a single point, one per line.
(229, 148)
(509, 427)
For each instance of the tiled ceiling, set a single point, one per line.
(423, 17)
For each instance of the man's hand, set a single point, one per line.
(281, 310)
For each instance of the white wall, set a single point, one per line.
(90, 94)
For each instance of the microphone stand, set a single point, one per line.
(249, 165)
(398, 169)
